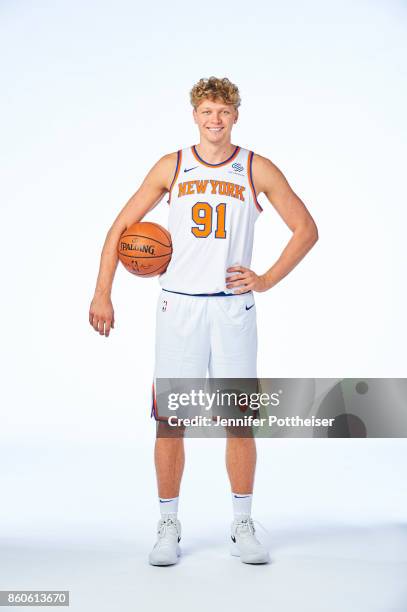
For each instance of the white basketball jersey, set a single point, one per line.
(213, 209)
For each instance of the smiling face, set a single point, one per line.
(215, 120)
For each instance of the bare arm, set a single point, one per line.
(151, 191)
(268, 179)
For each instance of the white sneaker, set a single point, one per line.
(166, 550)
(245, 544)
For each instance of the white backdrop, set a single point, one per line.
(93, 94)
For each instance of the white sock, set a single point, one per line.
(242, 504)
(168, 505)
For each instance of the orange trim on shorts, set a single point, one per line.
(204, 163)
(154, 410)
(177, 169)
(153, 404)
(250, 177)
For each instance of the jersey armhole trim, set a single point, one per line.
(176, 173)
(250, 177)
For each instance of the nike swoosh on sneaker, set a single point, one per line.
(188, 169)
(248, 307)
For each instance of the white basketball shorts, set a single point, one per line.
(200, 335)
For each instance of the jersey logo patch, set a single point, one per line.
(237, 166)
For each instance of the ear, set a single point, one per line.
(194, 114)
(237, 116)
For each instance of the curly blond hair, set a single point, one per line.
(214, 89)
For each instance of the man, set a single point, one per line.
(206, 318)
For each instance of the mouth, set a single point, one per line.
(218, 129)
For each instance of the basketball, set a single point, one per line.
(145, 249)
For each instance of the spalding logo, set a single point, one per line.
(144, 248)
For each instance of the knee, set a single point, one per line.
(163, 430)
(245, 433)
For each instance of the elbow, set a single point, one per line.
(314, 236)
(309, 233)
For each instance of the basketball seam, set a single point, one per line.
(147, 256)
(148, 238)
(162, 230)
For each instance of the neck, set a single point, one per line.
(215, 152)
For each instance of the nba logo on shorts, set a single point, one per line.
(164, 306)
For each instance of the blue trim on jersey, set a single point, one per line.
(214, 165)
(220, 294)
(177, 168)
(251, 155)
(250, 176)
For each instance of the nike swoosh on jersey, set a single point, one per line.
(248, 307)
(189, 169)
